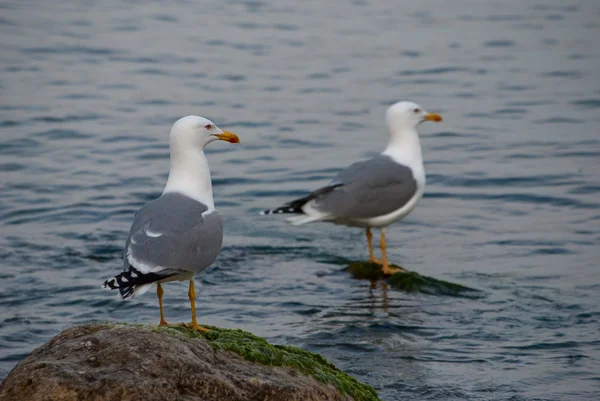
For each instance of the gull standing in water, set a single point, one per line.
(373, 193)
(180, 233)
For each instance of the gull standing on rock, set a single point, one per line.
(373, 193)
(180, 233)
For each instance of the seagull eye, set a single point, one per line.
(417, 110)
(208, 127)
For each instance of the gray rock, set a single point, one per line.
(123, 362)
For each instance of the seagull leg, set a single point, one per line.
(370, 243)
(160, 292)
(192, 295)
(385, 266)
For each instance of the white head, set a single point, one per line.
(189, 173)
(197, 132)
(403, 116)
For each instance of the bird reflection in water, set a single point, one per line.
(373, 295)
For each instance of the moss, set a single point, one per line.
(366, 270)
(257, 349)
(410, 281)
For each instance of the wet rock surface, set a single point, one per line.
(409, 281)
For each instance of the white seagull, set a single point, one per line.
(180, 233)
(373, 193)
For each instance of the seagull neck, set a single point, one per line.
(190, 176)
(405, 148)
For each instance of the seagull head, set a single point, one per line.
(195, 131)
(404, 116)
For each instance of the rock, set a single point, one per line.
(103, 362)
(411, 281)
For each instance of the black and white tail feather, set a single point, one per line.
(295, 206)
(132, 281)
(283, 210)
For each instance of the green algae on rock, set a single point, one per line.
(410, 281)
(257, 349)
(110, 361)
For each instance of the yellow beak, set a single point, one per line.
(228, 137)
(433, 117)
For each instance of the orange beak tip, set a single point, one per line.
(228, 137)
(433, 117)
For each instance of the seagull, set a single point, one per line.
(180, 233)
(376, 192)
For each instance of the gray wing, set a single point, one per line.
(170, 235)
(371, 188)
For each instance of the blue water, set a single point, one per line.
(512, 207)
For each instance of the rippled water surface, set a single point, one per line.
(512, 207)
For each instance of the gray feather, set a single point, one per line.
(371, 188)
(172, 233)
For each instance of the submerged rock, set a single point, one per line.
(125, 362)
(410, 281)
